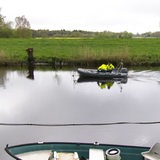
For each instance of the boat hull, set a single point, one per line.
(19, 151)
(93, 73)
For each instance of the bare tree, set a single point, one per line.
(23, 27)
(5, 27)
(1, 19)
(22, 22)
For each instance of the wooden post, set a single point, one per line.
(30, 56)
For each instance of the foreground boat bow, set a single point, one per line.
(74, 151)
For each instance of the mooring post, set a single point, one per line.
(30, 56)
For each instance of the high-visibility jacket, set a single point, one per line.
(107, 67)
(110, 66)
(103, 67)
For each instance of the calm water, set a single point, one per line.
(55, 97)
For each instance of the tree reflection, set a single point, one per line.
(57, 78)
(3, 77)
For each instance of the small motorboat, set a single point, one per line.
(94, 73)
(77, 151)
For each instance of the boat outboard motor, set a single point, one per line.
(113, 154)
(124, 70)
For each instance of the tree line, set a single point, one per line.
(23, 29)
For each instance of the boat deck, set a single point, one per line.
(35, 155)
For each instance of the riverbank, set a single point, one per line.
(81, 51)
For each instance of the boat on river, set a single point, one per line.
(75, 151)
(94, 73)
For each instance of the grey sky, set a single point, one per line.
(90, 15)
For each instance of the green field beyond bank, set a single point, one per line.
(132, 51)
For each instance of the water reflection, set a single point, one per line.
(30, 72)
(104, 83)
(3, 77)
(53, 98)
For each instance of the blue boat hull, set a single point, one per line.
(93, 73)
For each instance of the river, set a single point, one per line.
(51, 105)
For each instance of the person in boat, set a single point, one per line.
(110, 67)
(106, 68)
(102, 68)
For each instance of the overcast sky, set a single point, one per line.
(136, 16)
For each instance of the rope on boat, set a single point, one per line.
(80, 124)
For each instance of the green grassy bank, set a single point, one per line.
(131, 51)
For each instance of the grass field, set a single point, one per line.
(131, 51)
